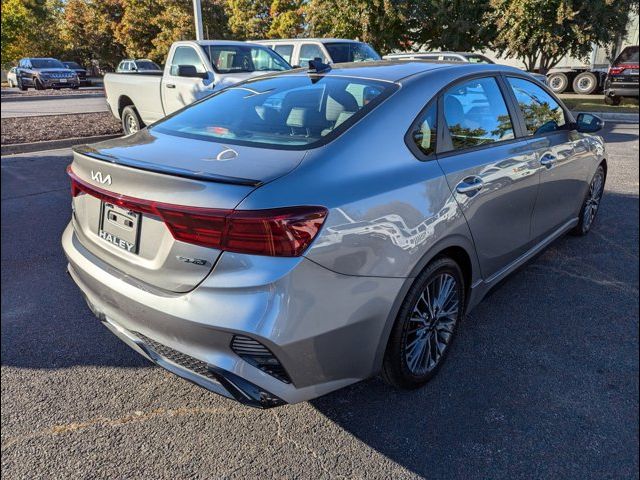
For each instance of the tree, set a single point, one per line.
(543, 31)
(456, 25)
(30, 28)
(287, 18)
(249, 19)
(382, 23)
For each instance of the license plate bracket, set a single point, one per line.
(120, 227)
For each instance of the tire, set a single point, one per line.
(75, 87)
(585, 83)
(418, 345)
(38, 84)
(591, 203)
(557, 82)
(612, 100)
(131, 121)
(21, 86)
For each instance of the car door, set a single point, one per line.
(561, 155)
(490, 170)
(178, 91)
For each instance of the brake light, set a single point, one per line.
(281, 232)
(616, 70)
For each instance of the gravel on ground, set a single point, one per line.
(55, 127)
(14, 92)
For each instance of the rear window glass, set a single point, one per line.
(146, 65)
(628, 55)
(244, 58)
(351, 52)
(289, 112)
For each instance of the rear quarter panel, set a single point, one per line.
(143, 90)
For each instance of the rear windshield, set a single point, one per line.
(146, 65)
(351, 52)
(244, 58)
(46, 63)
(288, 112)
(628, 55)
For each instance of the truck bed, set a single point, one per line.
(140, 88)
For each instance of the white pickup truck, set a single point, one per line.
(193, 70)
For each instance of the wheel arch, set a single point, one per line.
(458, 248)
(124, 101)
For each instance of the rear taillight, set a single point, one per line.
(616, 70)
(281, 232)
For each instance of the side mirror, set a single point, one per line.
(589, 123)
(190, 71)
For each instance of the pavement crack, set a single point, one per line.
(621, 286)
(135, 417)
(286, 439)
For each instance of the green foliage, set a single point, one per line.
(382, 23)
(454, 25)
(543, 31)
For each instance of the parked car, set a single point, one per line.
(293, 234)
(43, 73)
(622, 78)
(454, 57)
(80, 71)
(193, 70)
(299, 51)
(466, 57)
(12, 78)
(139, 65)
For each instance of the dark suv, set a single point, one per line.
(80, 71)
(622, 78)
(42, 73)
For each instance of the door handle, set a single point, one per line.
(548, 160)
(170, 85)
(470, 185)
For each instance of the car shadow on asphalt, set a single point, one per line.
(532, 375)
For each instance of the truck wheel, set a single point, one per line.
(585, 83)
(131, 121)
(558, 82)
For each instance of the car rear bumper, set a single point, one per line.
(326, 330)
(621, 89)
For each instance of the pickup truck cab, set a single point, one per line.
(193, 70)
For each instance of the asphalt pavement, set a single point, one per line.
(542, 381)
(30, 107)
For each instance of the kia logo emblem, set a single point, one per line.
(100, 178)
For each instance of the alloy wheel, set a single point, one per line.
(593, 199)
(432, 324)
(132, 124)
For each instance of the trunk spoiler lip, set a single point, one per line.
(92, 152)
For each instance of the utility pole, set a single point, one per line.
(197, 16)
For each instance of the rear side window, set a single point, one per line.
(628, 55)
(244, 58)
(285, 51)
(542, 114)
(290, 112)
(186, 56)
(476, 114)
(425, 133)
(309, 51)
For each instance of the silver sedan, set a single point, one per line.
(294, 234)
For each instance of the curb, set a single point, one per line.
(52, 144)
(612, 116)
(30, 98)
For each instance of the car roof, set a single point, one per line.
(213, 42)
(397, 71)
(319, 40)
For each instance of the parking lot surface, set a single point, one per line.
(542, 381)
(54, 106)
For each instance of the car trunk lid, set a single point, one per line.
(156, 168)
